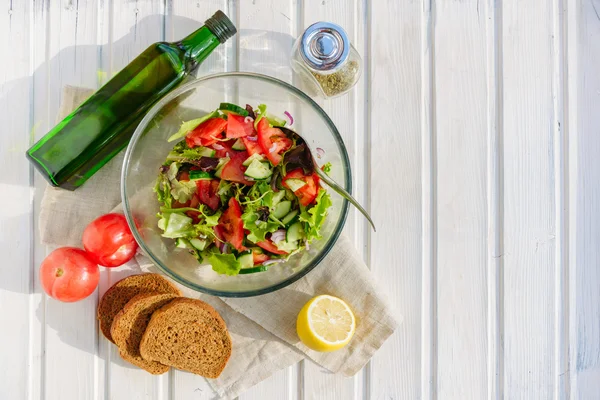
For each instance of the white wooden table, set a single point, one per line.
(474, 136)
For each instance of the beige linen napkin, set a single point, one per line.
(263, 328)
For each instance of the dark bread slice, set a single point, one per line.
(129, 325)
(190, 335)
(121, 292)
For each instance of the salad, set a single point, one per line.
(230, 196)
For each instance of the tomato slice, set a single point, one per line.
(259, 258)
(272, 141)
(234, 170)
(206, 133)
(252, 147)
(223, 148)
(231, 224)
(184, 176)
(207, 193)
(238, 126)
(195, 215)
(219, 237)
(307, 193)
(269, 246)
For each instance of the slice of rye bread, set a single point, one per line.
(129, 325)
(121, 292)
(190, 335)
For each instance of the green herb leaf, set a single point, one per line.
(210, 220)
(327, 168)
(191, 125)
(315, 216)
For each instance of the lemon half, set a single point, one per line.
(325, 323)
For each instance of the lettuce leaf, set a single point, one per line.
(163, 190)
(273, 120)
(314, 216)
(182, 153)
(258, 205)
(183, 191)
(191, 125)
(210, 220)
(177, 225)
(224, 263)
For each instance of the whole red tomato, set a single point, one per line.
(109, 240)
(67, 274)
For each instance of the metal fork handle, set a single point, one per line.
(332, 184)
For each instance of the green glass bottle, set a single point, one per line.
(102, 126)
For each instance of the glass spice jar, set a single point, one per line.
(326, 60)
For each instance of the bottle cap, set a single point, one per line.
(221, 26)
(324, 46)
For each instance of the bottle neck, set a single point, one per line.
(199, 44)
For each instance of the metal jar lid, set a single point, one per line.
(324, 46)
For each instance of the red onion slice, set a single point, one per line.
(278, 235)
(251, 138)
(273, 147)
(274, 261)
(320, 152)
(248, 120)
(225, 248)
(287, 114)
(217, 146)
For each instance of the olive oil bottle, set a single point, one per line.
(101, 127)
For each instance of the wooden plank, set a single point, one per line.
(584, 197)
(182, 18)
(70, 331)
(130, 29)
(349, 114)
(266, 31)
(495, 277)
(39, 119)
(461, 206)
(395, 176)
(16, 234)
(530, 232)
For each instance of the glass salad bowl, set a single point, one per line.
(148, 150)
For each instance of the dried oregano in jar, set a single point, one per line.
(326, 60)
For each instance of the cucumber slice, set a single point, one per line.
(260, 268)
(200, 175)
(278, 196)
(275, 121)
(246, 260)
(294, 233)
(282, 209)
(295, 184)
(290, 195)
(183, 243)
(290, 217)
(253, 157)
(206, 152)
(199, 244)
(258, 170)
(239, 145)
(222, 162)
(233, 108)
